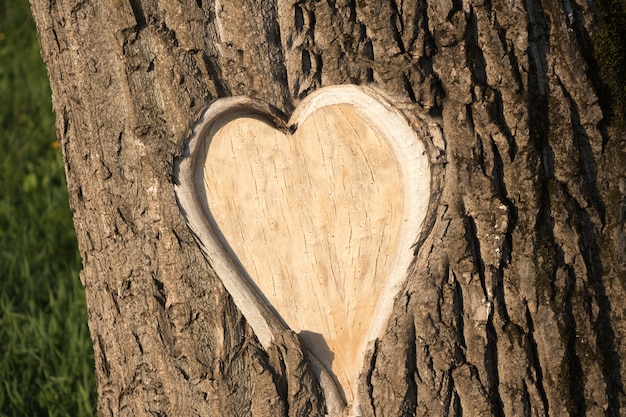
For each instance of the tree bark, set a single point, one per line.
(514, 303)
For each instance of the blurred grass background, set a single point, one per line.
(46, 359)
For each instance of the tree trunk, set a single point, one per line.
(514, 303)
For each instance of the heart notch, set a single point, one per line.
(311, 224)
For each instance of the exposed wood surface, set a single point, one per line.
(322, 221)
(314, 218)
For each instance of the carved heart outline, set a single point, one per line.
(411, 155)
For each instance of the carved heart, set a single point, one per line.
(312, 229)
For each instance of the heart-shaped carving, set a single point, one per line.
(312, 229)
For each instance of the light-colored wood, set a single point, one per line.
(314, 218)
(313, 230)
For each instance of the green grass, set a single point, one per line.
(46, 359)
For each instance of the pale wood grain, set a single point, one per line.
(314, 218)
(310, 231)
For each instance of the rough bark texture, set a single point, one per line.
(515, 303)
